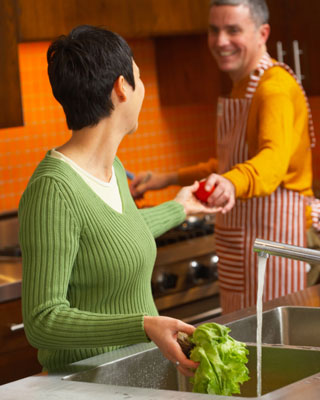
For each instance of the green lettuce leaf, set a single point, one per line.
(222, 360)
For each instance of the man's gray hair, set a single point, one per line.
(258, 8)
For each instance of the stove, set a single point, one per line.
(191, 228)
(11, 251)
(185, 277)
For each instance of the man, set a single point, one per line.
(264, 157)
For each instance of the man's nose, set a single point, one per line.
(222, 39)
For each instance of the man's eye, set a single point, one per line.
(213, 30)
(233, 31)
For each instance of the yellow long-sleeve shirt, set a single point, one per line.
(277, 137)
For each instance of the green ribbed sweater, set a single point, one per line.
(87, 269)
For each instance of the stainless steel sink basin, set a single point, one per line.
(296, 326)
(281, 366)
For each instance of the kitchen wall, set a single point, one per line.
(167, 137)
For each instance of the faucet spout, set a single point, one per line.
(264, 247)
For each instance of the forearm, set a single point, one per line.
(57, 326)
(259, 176)
(187, 175)
(163, 217)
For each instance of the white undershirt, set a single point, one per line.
(107, 191)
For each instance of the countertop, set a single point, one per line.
(54, 388)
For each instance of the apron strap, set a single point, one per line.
(264, 64)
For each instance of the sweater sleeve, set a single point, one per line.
(49, 238)
(265, 171)
(187, 175)
(163, 217)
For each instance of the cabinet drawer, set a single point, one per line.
(11, 316)
(17, 358)
(18, 364)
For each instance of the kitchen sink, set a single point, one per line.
(281, 366)
(296, 326)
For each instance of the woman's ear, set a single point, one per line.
(119, 88)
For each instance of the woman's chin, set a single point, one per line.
(131, 131)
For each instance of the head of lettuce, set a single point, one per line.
(222, 360)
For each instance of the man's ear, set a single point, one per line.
(119, 88)
(264, 32)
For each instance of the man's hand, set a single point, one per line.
(151, 181)
(224, 193)
(191, 204)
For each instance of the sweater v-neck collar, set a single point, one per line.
(70, 171)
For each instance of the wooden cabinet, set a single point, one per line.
(297, 21)
(17, 358)
(40, 20)
(10, 95)
(187, 73)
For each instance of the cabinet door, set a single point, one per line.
(303, 27)
(10, 95)
(278, 33)
(191, 76)
(297, 21)
(17, 358)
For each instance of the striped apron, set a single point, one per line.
(278, 217)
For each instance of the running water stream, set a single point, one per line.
(262, 261)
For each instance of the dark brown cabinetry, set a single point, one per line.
(296, 22)
(10, 96)
(187, 72)
(17, 358)
(42, 20)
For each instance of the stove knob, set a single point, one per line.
(166, 281)
(214, 267)
(214, 260)
(198, 272)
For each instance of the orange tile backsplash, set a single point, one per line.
(167, 137)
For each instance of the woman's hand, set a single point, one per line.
(163, 332)
(191, 204)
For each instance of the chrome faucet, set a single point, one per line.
(267, 247)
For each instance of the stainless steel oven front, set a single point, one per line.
(185, 277)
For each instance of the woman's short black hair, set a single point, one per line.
(83, 67)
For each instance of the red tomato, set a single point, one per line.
(202, 194)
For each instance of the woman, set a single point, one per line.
(87, 251)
